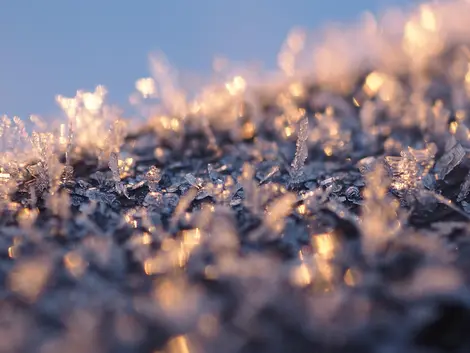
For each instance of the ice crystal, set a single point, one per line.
(95, 125)
(410, 168)
(277, 211)
(301, 152)
(116, 175)
(250, 189)
(328, 133)
(193, 181)
(274, 170)
(153, 176)
(464, 189)
(451, 158)
(353, 194)
(380, 221)
(183, 204)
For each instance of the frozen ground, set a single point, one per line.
(323, 210)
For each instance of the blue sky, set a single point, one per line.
(49, 47)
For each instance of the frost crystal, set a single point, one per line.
(7, 187)
(452, 158)
(114, 166)
(464, 189)
(193, 181)
(410, 168)
(183, 204)
(379, 212)
(90, 119)
(153, 177)
(301, 153)
(250, 189)
(278, 210)
(329, 133)
(274, 219)
(353, 194)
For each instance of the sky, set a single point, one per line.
(50, 47)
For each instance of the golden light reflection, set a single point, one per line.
(325, 244)
(93, 101)
(12, 252)
(421, 39)
(173, 253)
(414, 36)
(175, 124)
(236, 86)
(27, 217)
(467, 75)
(74, 263)
(350, 278)
(428, 18)
(152, 266)
(178, 344)
(356, 102)
(301, 276)
(191, 239)
(146, 238)
(248, 130)
(288, 131)
(374, 82)
(146, 86)
(128, 218)
(277, 211)
(302, 209)
(167, 123)
(453, 127)
(328, 150)
(296, 89)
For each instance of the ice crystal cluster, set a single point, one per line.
(321, 209)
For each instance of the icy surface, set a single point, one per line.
(323, 210)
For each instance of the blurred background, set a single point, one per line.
(49, 47)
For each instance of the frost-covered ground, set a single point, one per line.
(324, 209)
